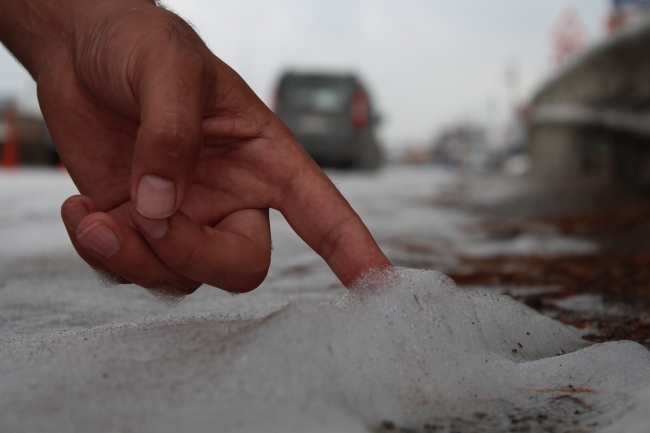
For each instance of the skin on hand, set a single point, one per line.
(178, 161)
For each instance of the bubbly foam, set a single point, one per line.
(165, 293)
(105, 278)
(168, 295)
(403, 349)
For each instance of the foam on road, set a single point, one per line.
(405, 349)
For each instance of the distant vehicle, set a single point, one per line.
(332, 117)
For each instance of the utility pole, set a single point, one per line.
(512, 77)
(570, 37)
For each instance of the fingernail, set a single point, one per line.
(74, 212)
(101, 239)
(153, 229)
(155, 197)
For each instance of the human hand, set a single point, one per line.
(178, 161)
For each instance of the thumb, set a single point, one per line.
(172, 100)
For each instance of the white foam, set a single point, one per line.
(405, 347)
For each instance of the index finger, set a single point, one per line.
(322, 217)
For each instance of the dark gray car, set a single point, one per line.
(331, 115)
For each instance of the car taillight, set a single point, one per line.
(360, 111)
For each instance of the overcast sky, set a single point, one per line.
(427, 63)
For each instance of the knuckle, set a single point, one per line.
(330, 241)
(253, 278)
(174, 143)
(173, 133)
(193, 64)
(176, 28)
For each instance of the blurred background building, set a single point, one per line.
(592, 118)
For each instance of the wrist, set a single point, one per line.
(35, 31)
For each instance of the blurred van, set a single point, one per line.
(332, 117)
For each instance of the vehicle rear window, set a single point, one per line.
(315, 95)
